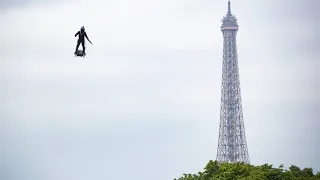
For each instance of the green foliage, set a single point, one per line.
(240, 171)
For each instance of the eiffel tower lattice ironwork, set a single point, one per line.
(232, 145)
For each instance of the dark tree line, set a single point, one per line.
(241, 171)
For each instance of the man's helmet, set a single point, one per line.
(82, 28)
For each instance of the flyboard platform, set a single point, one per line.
(79, 53)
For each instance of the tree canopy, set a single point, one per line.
(215, 170)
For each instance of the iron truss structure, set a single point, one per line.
(232, 145)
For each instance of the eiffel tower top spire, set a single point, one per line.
(229, 21)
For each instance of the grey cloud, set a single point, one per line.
(8, 3)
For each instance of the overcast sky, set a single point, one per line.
(145, 102)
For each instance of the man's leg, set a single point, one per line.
(78, 43)
(83, 47)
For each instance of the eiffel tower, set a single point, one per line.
(232, 145)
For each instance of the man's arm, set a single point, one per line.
(76, 34)
(87, 37)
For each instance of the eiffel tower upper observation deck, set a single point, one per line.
(229, 21)
(232, 145)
